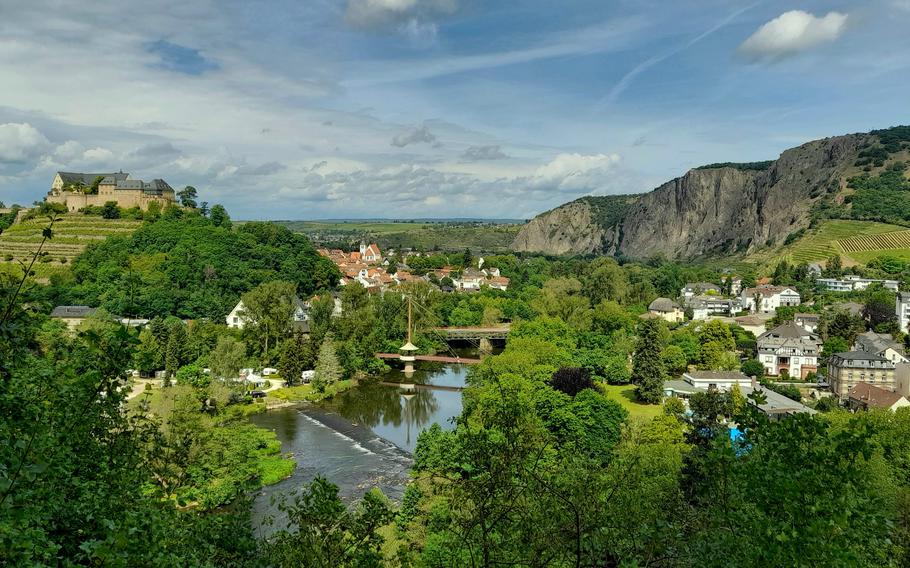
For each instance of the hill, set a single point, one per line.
(440, 234)
(72, 234)
(726, 209)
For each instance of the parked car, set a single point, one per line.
(269, 371)
(307, 376)
(257, 394)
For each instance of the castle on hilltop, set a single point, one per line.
(78, 190)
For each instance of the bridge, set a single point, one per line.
(433, 358)
(419, 386)
(474, 333)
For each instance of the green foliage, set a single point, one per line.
(743, 166)
(193, 269)
(110, 210)
(674, 359)
(885, 197)
(323, 533)
(648, 371)
(228, 357)
(753, 368)
(328, 369)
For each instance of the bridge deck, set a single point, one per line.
(433, 358)
(498, 332)
(421, 386)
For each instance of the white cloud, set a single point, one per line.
(901, 5)
(576, 172)
(378, 14)
(792, 33)
(414, 136)
(21, 142)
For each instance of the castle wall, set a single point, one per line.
(126, 199)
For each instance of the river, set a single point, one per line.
(362, 439)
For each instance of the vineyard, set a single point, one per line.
(72, 233)
(884, 241)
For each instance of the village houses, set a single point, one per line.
(769, 298)
(789, 349)
(666, 309)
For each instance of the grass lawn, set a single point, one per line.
(306, 392)
(625, 395)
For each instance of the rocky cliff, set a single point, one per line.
(723, 209)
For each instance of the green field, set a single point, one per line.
(442, 235)
(821, 243)
(72, 233)
(625, 396)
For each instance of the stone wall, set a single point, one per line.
(125, 198)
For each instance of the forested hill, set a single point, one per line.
(729, 208)
(192, 267)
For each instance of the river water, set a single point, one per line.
(360, 440)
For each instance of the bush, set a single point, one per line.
(571, 380)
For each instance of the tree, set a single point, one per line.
(328, 369)
(148, 355)
(93, 189)
(675, 360)
(110, 210)
(219, 216)
(571, 380)
(228, 357)
(268, 310)
(175, 352)
(204, 208)
(648, 371)
(187, 197)
(833, 267)
(753, 368)
(879, 306)
(322, 533)
(297, 356)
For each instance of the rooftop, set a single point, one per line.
(873, 396)
(73, 312)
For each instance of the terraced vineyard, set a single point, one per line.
(71, 235)
(825, 241)
(884, 241)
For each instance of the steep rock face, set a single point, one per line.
(569, 229)
(712, 210)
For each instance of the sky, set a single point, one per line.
(318, 109)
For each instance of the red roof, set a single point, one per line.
(872, 396)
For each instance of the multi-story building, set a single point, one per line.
(789, 349)
(79, 190)
(848, 369)
(704, 306)
(903, 311)
(769, 298)
(853, 283)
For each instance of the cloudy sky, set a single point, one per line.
(401, 108)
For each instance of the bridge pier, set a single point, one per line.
(486, 346)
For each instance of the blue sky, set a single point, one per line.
(436, 108)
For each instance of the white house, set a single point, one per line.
(881, 344)
(470, 279)
(790, 349)
(903, 311)
(853, 283)
(237, 319)
(704, 306)
(808, 321)
(698, 288)
(723, 380)
(370, 253)
(770, 298)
